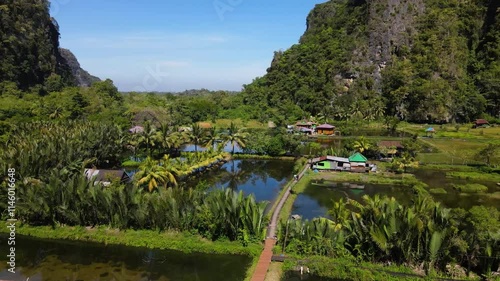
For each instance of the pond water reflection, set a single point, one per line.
(319, 197)
(263, 178)
(54, 260)
(455, 199)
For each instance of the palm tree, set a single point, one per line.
(148, 137)
(235, 136)
(196, 135)
(175, 141)
(211, 138)
(152, 174)
(361, 144)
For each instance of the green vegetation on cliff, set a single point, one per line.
(29, 45)
(424, 60)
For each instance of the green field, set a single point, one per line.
(455, 144)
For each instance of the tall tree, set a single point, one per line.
(235, 136)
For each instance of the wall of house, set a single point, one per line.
(323, 165)
(325, 132)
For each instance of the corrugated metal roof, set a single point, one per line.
(331, 158)
(338, 159)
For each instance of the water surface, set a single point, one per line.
(455, 199)
(319, 197)
(55, 260)
(262, 178)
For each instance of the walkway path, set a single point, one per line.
(265, 257)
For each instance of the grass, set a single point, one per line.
(448, 167)
(369, 178)
(275, 272)
(448, 145)
(438, 191)
(178, 241)
(452, 146)
(475, 176)
(450, 131)
(470, 188)
(347, 268)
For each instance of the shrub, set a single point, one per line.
(438, 191)
(470, 188)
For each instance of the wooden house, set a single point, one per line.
(331, 163)
(305, 131)
(305, 124)
(390, 149)
(480, 123)
(326, 129)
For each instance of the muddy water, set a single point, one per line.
(53, 260)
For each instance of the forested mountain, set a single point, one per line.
(29, 48)
(29, 44)
(421, 60)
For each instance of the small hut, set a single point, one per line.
(389, 149)
(481, 123)
(326, 129)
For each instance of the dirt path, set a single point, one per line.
(265, 257)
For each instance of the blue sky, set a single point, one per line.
(173, 45)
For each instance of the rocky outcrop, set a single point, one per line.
(81, 76)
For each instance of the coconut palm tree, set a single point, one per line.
(148, 137)
(211, 138)
(361, 144)
(196, 135)
(153, 174)
(235, 136)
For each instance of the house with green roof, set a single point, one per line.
(358, 160)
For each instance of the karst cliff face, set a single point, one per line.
(29, 47)
(419, 60)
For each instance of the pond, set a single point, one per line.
(318, 197)
(262, 178)
(228, 147)
(47, 260)
(455, 199)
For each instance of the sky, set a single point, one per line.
(174, 45)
